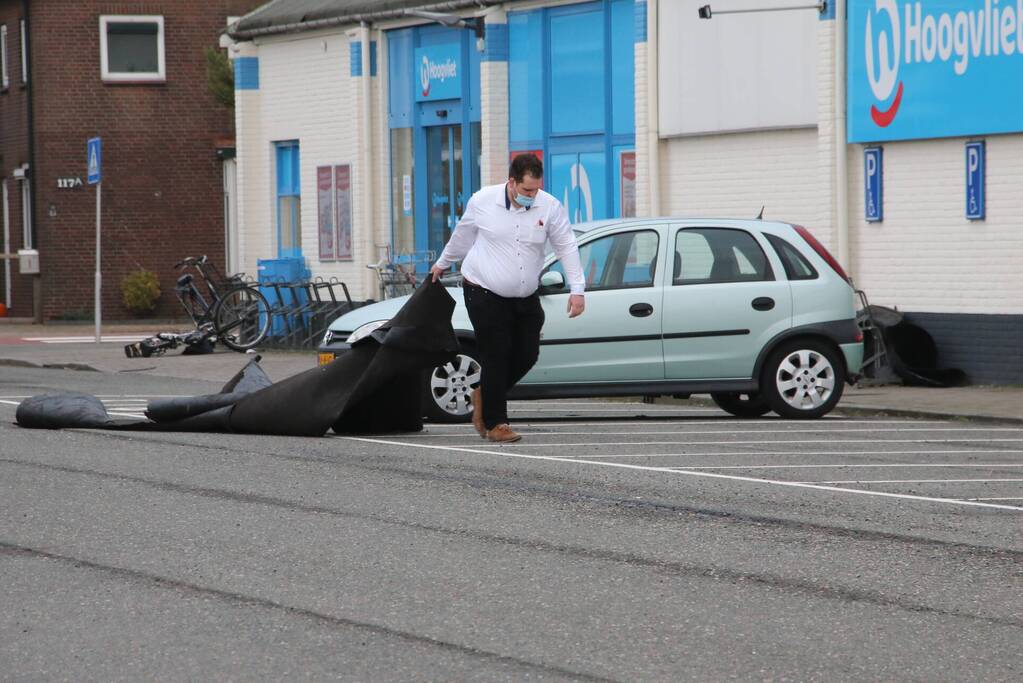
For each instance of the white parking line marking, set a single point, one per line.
(794, 453)
(910, 481)
(842, 467)
(709, 475)
(824, 430)
(79, 340)
(724, 419)
(761, 442)
(992, 498)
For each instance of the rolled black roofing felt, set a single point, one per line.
(374, 388)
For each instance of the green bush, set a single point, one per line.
(140, 291)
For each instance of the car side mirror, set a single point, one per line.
(552, 281)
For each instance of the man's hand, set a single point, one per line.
(576, 304)
(436, 273)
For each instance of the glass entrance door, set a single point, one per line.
(444, 183)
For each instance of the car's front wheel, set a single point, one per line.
(448, 388)
(802, 379)
(742, 405)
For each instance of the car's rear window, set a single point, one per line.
(715, 255)
(796, 265)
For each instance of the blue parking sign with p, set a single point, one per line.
(975, 180)
(873, 184)
(94, 156)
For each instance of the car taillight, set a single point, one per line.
(821, 251)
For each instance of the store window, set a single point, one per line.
(132, 47)
(571, 95)
(289, 200)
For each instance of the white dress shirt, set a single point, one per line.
(503, 244)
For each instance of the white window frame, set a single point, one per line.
(24, 53)
(159, 75)
(3, 57)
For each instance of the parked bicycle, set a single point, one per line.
(230, 309)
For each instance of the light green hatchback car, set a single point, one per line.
(758, 314)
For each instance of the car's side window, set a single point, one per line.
(795, 264)
(713, 255)
(620, 261)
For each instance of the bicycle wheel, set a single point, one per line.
(242, 318)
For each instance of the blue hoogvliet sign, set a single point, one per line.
(439, 70)
(975, 180)
(873, 184)
(94, 155)
(940, 68)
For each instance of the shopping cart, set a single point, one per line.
(398, 273)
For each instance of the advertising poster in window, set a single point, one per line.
(325, 211)
(627, 166)
(343, 195)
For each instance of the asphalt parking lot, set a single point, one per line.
(616, 541)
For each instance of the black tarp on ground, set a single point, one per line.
(374, 388)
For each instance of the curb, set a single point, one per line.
(18, 363)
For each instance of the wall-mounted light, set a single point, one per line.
(475, 24)
(705, 11)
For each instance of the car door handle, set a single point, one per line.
(641, 310)
(763, 303)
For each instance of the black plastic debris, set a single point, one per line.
(374, 388)
(911, 352)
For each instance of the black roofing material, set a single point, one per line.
(375, 388)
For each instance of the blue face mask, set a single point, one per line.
(523, 201)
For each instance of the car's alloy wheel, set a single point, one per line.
(803, 379)
(742, 405)
(449, 388)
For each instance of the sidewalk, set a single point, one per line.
(989, 403)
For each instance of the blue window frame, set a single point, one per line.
(571, 80)
(289, 200)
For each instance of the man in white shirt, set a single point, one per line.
(501, 237)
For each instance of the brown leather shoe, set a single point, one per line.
(502, 433)
(477, 412)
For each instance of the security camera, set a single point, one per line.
(704, 12)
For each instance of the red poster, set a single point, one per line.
(343, 194)
(325, 211)
(627, 167)
(537, 152)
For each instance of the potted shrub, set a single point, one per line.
(140, 291)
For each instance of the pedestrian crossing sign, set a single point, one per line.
(94, 156)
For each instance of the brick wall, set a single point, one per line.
(14, 151)
(162, 181)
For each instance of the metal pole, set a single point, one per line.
(819, 7)
(99, 278)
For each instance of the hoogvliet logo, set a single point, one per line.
(990, 29)
(434, 71)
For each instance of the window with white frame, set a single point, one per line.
(3, 57)
(24, 53)
(131, 47)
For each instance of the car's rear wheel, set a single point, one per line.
(448, 388)
(742, 405)
(803, 379)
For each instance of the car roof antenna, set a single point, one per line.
(760, 216)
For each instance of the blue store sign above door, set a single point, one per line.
(440, 72)
(941, 68)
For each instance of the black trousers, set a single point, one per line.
(508, 342)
